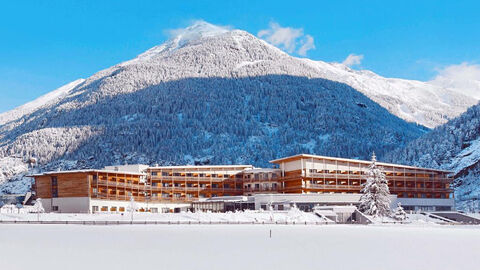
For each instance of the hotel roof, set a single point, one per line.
(299, 156)
(85, 171)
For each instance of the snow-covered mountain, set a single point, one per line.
(42, 101)
(454, 146)
(207, 95)
(425, 103)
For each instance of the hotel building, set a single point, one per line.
(305, 180)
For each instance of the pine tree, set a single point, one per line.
(375, 200)
(400, 213)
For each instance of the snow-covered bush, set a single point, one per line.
(399, 213)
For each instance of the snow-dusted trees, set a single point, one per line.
(399, 213)
(375, 199)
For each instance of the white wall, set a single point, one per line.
(118, 204)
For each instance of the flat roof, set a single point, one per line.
(86, 171)
(299, 156)
(203, 167)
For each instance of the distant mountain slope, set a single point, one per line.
(208, 95)
(454, 146)
(44, 100)
(419, 102)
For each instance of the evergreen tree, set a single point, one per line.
(400, 213)
(375, 200)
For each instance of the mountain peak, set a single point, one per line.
(184, 36)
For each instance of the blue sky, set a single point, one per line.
(45, 44)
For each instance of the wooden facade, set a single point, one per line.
(317, 174)
(299, 174)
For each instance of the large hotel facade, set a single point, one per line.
(303, 180)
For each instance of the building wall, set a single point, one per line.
(105, 206)
(67, 204)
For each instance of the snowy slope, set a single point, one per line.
(211, 94)
(415, 101)
(42, 101)
(454, 146)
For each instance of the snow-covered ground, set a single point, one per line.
(291, 216)
(238, 247)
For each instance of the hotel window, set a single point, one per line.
(177, 195)
(257, 186)
(226, 186)
(176, 174)
(94, 190)
(165, 195)
(214, 175)
(94, 209)
(214, 185)
(164, 173)
(54, 187)
(189, 175)
(226, 175)
(201, 175)
(165, 184)
(54, 208)
(94, 177)
(154, 173)
(239, 186)
(189, 184)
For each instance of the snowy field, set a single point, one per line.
(291, 216)
(238, 247)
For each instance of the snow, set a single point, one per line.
(421, 102)
(238, 247)
(44, 100)
(466, 157)
(293, 215)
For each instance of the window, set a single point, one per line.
(154, 173)
(54, 187)
(226, 186)
(214, 185)
(165, 184)
(94, 209)
(95, 177)
(176, 174)
(104, 208)
(94, 191)
(154, 210)
(201, 175)
(189, 175)
(214, 175)
(164, 173)
(189, 185)
(54, 208)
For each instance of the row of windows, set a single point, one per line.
(214, 175)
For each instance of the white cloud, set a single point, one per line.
(463, 78)
(353, 60)
(307, 45)
(288, 38)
